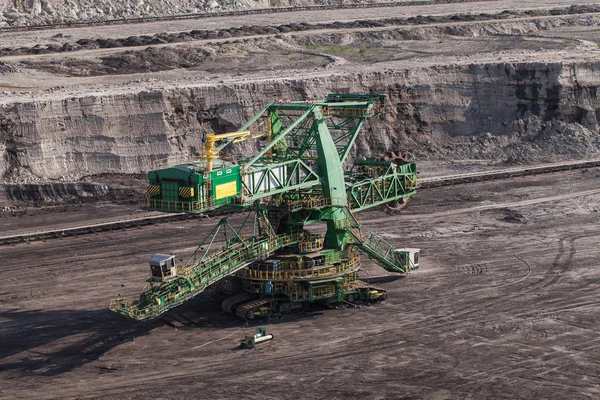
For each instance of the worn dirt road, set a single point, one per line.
(312, 17)
(504, 306)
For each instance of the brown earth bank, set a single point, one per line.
(15, 13)
(502, 307)
(245, 30)
(495, 88)
(35, 12)
(498, 112)
(59, 35)
(495, 92)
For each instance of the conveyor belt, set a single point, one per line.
(446, 180)
(109, 225)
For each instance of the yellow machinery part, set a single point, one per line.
(153, 189)
(226, 190)
(186, 191)
(212, 153)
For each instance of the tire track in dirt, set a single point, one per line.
(562, 262)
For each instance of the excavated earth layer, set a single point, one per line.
(37, 12)
(499, 111)
(244, 31)
(511, 88)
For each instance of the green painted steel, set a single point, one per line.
(383, 183)
(301, 171)
(381, 252)
(283, 165)
(197, 274)
(333, 185)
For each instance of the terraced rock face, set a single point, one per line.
(49, 11)
(32, 12)
(510, 86)
(497, 112)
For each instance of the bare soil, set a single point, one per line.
(504, 306)
(251, 57)
(321, 16)
(258, 30)
(439, 35)
(230, 59)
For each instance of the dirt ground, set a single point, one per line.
(504, 306)
(252, 58)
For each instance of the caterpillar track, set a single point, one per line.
(369, 292)
(230, 303)
(256, 308)
(248, 306)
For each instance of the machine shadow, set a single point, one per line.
(210, 315)
(382, 279)
(51, 343)
(37, 334)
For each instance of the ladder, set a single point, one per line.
(380, 251)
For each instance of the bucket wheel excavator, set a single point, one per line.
(263, 253)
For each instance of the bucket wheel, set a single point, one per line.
(394, 207)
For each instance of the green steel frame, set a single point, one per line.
(296, 143)
(301, 169)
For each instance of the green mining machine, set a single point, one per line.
(263, 250)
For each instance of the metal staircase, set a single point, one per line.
(380, 251)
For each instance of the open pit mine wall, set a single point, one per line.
(448, 112)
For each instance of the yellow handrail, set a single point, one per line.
(328, 270)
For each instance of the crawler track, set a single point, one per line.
(458, 179)
(425, 183)
(125, 21)
(242, 310)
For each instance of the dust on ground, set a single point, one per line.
(498, 309)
